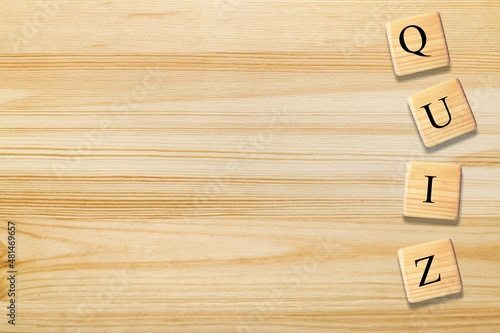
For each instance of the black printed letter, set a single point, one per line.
(431, 118)
(429, 189)
(422, 35)
(426, 271)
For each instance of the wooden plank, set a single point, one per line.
(180, 166)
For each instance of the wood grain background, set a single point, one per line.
(235, 166)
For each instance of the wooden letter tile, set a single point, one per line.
(442, 112)
(417, 44)
(432, 190)
(430, 270)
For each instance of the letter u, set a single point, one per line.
(431, 117)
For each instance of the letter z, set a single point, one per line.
(426, 271)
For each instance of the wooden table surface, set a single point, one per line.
(234, 166)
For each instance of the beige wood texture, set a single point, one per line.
(424, 37)
(442, 277)
(445, 190)
(452, 122)
(201, 166)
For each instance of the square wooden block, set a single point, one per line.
(442, 112)
(432, 190)
(430, 270)
(417, 44)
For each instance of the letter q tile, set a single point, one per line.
(417, 44)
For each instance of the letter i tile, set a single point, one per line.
(430, 270)
(432, 190)
(442, 112)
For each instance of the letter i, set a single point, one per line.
(429, 189)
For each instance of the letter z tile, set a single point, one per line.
(417, 44)
(442, 112)
(430, 270)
